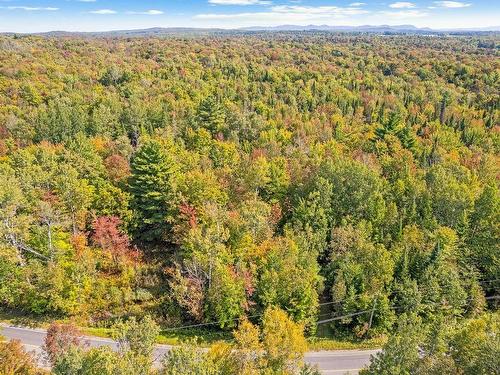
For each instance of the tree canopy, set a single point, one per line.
(342, 178)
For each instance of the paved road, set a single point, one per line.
(329, 362)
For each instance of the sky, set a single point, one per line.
(104, 15)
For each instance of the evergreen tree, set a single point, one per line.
(211, 115)
(391, 126)
(153, 192)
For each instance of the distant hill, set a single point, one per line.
(364, 28)
(155, 31)
(370, 29)
(172, 31)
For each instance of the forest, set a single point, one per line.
(328, 184)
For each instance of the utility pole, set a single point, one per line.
(371, 315)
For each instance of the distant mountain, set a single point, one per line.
(364, 28)
(172, 31)
(154, 31)
(370, 29)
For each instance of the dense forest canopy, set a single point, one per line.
(204, 179)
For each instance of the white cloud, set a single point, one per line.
(402, 5)
(451, 4)
(356, 4)
(324, 10)
(403, 14)
(289, 13)
(239, 2)
(103, 11)
(30, 9)
(151, 12)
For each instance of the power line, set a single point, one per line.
(320, 304)
(343, 316)
(248, 317)
(393, 307)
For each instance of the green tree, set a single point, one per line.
(186, 359)
(211, 115)
(76, 196)
(475, 347)
(358, 192)
(311, 218)
(483, 235)
(453, 190)
(361, 272)
(137, 337)
(400, 355)
(152, 185)
(288, 278)
(136, 342)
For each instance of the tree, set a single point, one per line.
(288, 278)
(475, 347)
(152, 185)
(453, 190)
(211, 115)
(358, 192)
(109, 237)
(444, 347)
(75, 194)
(311, 218)
(14, 360)
(117, 167)
(136, 342)
(400, 355)
(483, 235)
(283, 342)
(13, 225)
(59, 338)
(206, 283)
(445, 100)
(278, 349)
(248, 347)
(390, 127)
(113, 76)
(395, 127)
(360, 273)
(186, 359)
(137, 337)
(96, 361)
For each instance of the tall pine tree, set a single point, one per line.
(211, 115)
(152, 190)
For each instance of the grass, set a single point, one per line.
(97, 332)
(324, 340)
(22, 319)
(324, 343)
(204, 337)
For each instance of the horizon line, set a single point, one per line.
(246, 28)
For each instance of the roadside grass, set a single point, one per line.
(26, 320)
(325, 339)
(203, 338)
(324, 343)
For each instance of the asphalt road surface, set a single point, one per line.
(329, 362)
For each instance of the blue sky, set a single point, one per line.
(100, 15)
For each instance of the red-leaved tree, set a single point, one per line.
(59, 338)
(108, 236)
